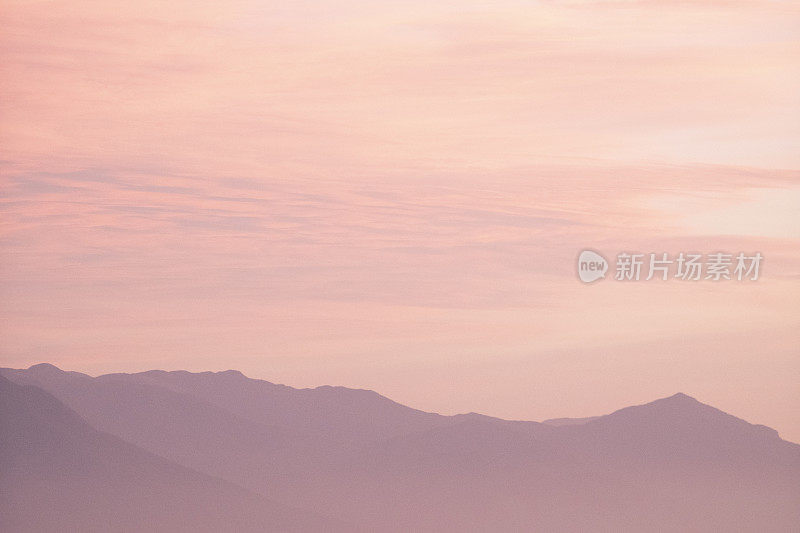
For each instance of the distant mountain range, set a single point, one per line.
(181, 451)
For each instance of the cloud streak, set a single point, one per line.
(376, 194)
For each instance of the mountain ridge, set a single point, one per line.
(673, 464)
(93, 481)
(678, 397)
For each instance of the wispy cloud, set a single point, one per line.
(363, 186)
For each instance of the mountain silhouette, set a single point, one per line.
(674, 464)
(60, 474)
(351, 415)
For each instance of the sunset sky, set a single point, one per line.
(392, 195)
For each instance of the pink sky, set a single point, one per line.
(391, 195)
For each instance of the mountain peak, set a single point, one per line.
(680, 398)
(232, 373)
(45, 367)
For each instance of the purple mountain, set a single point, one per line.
(60, 474)
(671, 465)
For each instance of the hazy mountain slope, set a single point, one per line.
(351, 415)
(671, 465)
(568, 421)
(184, 429)
(277, 461)
(60, 474)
